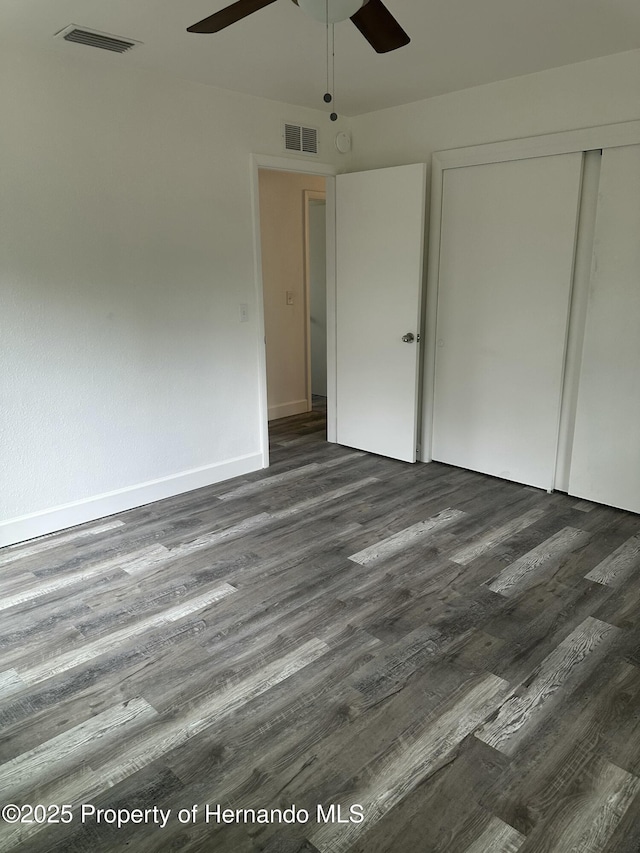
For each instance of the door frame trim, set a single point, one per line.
(289, 164)
(565, 142)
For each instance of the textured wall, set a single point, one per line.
(126, 248)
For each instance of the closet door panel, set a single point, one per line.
(506, 260)
(605, 463)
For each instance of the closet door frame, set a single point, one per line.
(567, 142)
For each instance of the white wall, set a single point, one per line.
(126, 248)
(600, 91)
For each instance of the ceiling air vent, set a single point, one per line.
(93, 38)
(304, 140)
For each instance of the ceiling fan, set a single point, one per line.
(371, 17)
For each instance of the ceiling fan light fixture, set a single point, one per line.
(330, 11)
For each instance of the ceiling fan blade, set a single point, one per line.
(379, 27)
(225, 17)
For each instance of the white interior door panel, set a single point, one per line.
(506, 261)
(379, 281)
(605, 462)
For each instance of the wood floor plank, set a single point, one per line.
(619, 565)
(48, 707)
(584, 506)
(356, 731)
(283, 731)
(58, 755)
(404, 538)
(89, 651)
(298, 473)
(523, 571)
(161, 737)
(572, 659)
(442, 814)
(496, 536)
(46, 543)
(620, 736)
(498, 837)
(587, 826)
(43, 587)
(532, 624)
(626, 836)
(549, 771)
(10, 682)
(148, 558)
(12, 582)
(400, 773)
(160, 740)
(263, 519)
(150, 787)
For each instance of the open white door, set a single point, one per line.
(379, 281)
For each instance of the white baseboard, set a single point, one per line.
(285, 410)
(68, 515)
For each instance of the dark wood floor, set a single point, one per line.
(451, 657)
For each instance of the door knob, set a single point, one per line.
(408, 338)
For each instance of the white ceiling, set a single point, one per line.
(279, 52)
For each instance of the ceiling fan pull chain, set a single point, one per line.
(331, 62)
(333, 116)
(328, 97)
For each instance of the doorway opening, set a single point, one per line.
(293, 232)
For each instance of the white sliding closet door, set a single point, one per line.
(605, 463)
(506, 260)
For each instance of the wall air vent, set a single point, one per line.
(93, 38)
(304, 140)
